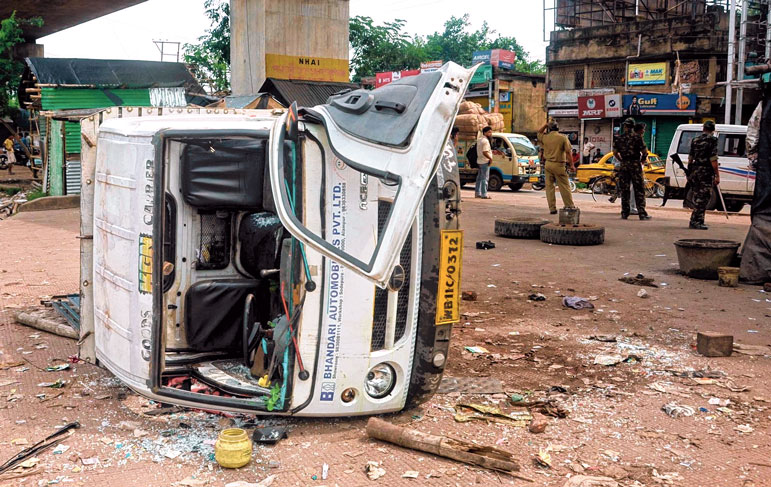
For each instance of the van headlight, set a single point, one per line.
(380, 381)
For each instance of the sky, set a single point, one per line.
(129, 33)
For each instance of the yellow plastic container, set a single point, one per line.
(233, 448)
(728, 276)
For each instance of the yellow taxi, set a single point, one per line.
(586, 173)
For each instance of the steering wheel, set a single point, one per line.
(251, 332)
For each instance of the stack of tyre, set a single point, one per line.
(548, 232)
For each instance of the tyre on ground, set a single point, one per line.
(582, 234)
(519, 227)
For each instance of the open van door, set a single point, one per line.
(395, 134)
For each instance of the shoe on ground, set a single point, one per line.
(645, 217)
(634, 213)
(613, 199)
(698, 226)
(486, 197)
(477, 196)
(624, 216)
(552, 212)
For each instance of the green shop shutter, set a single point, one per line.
(665, 131)
(81, 98)
(72, 137)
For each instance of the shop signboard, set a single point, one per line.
(599, 106)
(430, 66)
(660, 104)
(382, 79)
(500, 58)
(562, 98)
(483, 74)
(647, 74)
(306, 68)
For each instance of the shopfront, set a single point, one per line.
(662, 113)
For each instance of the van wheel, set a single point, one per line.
(519, 227)
(734, 206)
(554, 233)
(516, 186)
(495, 183)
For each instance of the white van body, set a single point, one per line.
(737, 180)
(363, 247)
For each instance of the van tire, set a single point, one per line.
(516, 186)
(735, 206)
(495, 183)
(583, 234)
(519, 227)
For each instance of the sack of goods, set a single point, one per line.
(495, 120)
(470, 123)
(471, 108)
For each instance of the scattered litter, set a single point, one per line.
(410, 474)
(266, 482)
(105, 440)
(60, 449)
(29, 463)
(491, 285)
(19, 441)
(585, 481)
(191, 482)
(744, 428)
(758, 350)
(269, 435)
(642, 293)
(4, 383)
(543, 459)
(610, 359)
(492, 414)
(537, 297)
(374, 470)
(604, 338)
(639, 280)
(172, 454)
(476, 349)
(485, 245)
(57, 368)
(58, 384)
(577, 302)
(89, 461)
(324, 471)
(677, 410)
(469, 295)
(715, 401)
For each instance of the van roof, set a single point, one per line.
(720, 127)
(505, 134)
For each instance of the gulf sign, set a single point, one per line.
(599, 106)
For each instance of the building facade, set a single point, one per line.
(664, 68)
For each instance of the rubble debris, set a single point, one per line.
(744, 428)
(639, 280)
(714, 344)
(374, 470)
(58, 384)
(469, 296)
(585, 481)
(677, 410)
(642, 293)
(476, 349)
(266, 482)
(577, 302)
(536, 297)
(604, 338)
(485, 245)
(460, 450)
(191, 481)
(492, 414)
(411, 474)
(757, 350)
(470, 385)
(269, 435)
(608, 359)
(39, 321)
(42, 445)
(543, 459)
(538, 424)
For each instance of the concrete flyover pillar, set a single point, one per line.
(287, 39)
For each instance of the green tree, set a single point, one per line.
(211, 56)
(378, 48)
(10, 68)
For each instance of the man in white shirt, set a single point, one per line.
(587, 151)
(484, 159)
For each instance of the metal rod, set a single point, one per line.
(768, 32)
(731, 61)
(741, 62)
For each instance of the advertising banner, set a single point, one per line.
(599, 106)
(430, 66)
(483, 74)
(306, 68)
(647, 74)
(382, 79)
(660, 104)
(500, 58)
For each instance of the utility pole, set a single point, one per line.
(741, 61)
(731, 61)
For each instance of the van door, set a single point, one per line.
(396, 134)
(503, 158)
(734, 165)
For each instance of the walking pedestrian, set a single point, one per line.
(628, 148)
(557, 151)
(704, 173)
(587, 151)
(8, 145)
(484, 159)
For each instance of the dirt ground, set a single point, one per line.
(536, 350)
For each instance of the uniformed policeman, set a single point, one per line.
(702, 163)
(629, 149)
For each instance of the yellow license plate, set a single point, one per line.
(533, 179)
(448, 297)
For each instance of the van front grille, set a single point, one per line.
(381, 295)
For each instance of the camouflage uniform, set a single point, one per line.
(702, 176)
(753, 135)
(630, 147)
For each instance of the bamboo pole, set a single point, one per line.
(459, 450)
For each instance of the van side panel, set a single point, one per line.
(123, 249)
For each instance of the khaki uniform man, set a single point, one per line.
(557, 152)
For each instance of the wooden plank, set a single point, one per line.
(88, 132)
